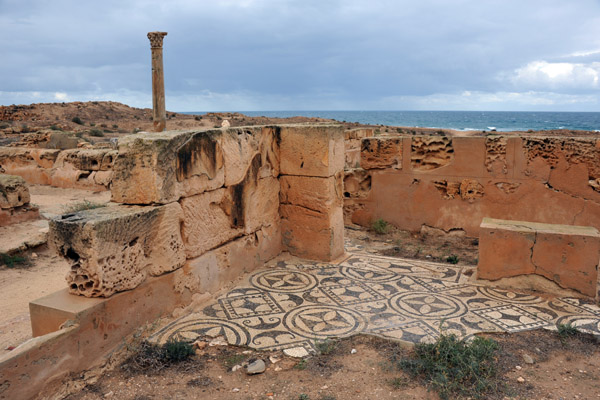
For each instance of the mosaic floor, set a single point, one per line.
(290, 304)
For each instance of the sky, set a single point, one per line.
(267, 55)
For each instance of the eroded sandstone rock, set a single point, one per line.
(431, 152)
(112, 249)
(357, 184)
(13, 191)
(379, 153)
(495, 153)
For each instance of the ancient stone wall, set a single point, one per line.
(73, 168)
(452, 183)
(217, 202)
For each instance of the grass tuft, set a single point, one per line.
(326, 346)
(566, 331)
(454, 367)
(152, 358)
(452, 259)
(380, 226)
(14, 261)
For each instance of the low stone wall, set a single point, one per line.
(452, 183)
(74, 168)
(14, 201)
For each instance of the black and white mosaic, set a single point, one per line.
(290, 304)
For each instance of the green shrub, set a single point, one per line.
(77, 120)
(14, 261)
(566, 330)
(115, 126)
(452, 259)
(176, 351)
(326, 346)
(54, 128)
(96, 133)
(454, 367)
(380, 226)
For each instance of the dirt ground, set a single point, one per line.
(43, 272)
(361, 367)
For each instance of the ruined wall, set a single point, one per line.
(14, 201)
(216, 202)
(73, 168)
(452, 183)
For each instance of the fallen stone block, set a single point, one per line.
(14, 191)
(567, 255)
(316, 150)
(112, 249)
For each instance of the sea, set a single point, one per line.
(458, 120)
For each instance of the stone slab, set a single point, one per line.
(567, 255)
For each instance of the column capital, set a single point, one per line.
(156, 39)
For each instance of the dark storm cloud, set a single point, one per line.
(305, 54)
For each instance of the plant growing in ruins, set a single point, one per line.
(152, 358)
(454, 367)
(326, 346)
(566, 330)
(452, 259)
(380, 226)
(14, 260)
(176, 351)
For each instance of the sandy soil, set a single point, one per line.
(43, 271)
(566, 369)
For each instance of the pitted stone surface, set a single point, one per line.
(290, 304)
(112, 249)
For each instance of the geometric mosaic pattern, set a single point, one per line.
(291, 304)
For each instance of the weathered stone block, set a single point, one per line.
(379, 153)
(208, 222)
(33, 165)
(312, 150)
(567, 255)
(84, 159)
(216, 268)
(314, 193)
(311, 234)
(13, 191)
(161, 167)
(112, 249)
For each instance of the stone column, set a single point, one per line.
(158, 81)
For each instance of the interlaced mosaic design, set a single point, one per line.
(290, 304)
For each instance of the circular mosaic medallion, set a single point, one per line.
(321, 322)
(191, 330)
(425, 305)
(509, 297)
(283, 280)
(368, 273)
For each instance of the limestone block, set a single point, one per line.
(216, 268)
(504, 249)
(310, 234)
(567, 255)
(14, 191)
(83, 159)
(312, 150)
(33, 165)
(379, 153)
(314, 193)
(241, 145)
(208, 222)
(161, 167)
(108, 160)
(112, 249)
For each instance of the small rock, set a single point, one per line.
(235, 368)
(353, 351)
(324, 387)
(247, 352)
(109, 394)
(297, 352)
(274, 360)
(256, 367)
(34, 256)
(518, 368)
(427, 256)
(527, 358)
(218, 341)
(235, 390)
(200, 344)
(277, 369)
(521, 379)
